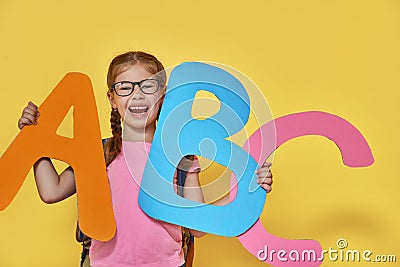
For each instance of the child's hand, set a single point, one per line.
(265, 176)
(29, 115)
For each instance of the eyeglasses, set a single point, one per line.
(147, 86)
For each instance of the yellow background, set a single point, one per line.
(339, 56)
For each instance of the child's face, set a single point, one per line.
(138, 110)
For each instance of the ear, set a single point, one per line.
(162, 99)
(111, 98)
(163, 91)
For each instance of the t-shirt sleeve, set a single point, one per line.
(189, 165)
(195, 165)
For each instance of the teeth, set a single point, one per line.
(138, 109)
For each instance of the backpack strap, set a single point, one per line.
(187, 237)
(79, 235)
(104, 141)
(181, 177)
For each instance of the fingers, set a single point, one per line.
(264, 170)
(32, 106)
(29, 115)
(264, 173)
(265, 167)
(22, 122)
(267, 181)
(264, 176)
(267, 164)
(266, 187)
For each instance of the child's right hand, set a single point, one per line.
(29, 115)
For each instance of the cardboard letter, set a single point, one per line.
(179, 134)
(83, 152)
(353, 147)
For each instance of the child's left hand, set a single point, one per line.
(264, 176)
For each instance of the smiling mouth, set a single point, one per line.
(138, 110)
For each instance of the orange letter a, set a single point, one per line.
(83, 152)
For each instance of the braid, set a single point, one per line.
(113, 145)
(118, 65)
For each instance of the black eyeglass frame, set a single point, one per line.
(139, 84)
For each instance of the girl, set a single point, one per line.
(136, 86)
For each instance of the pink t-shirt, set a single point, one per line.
(139, 239)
